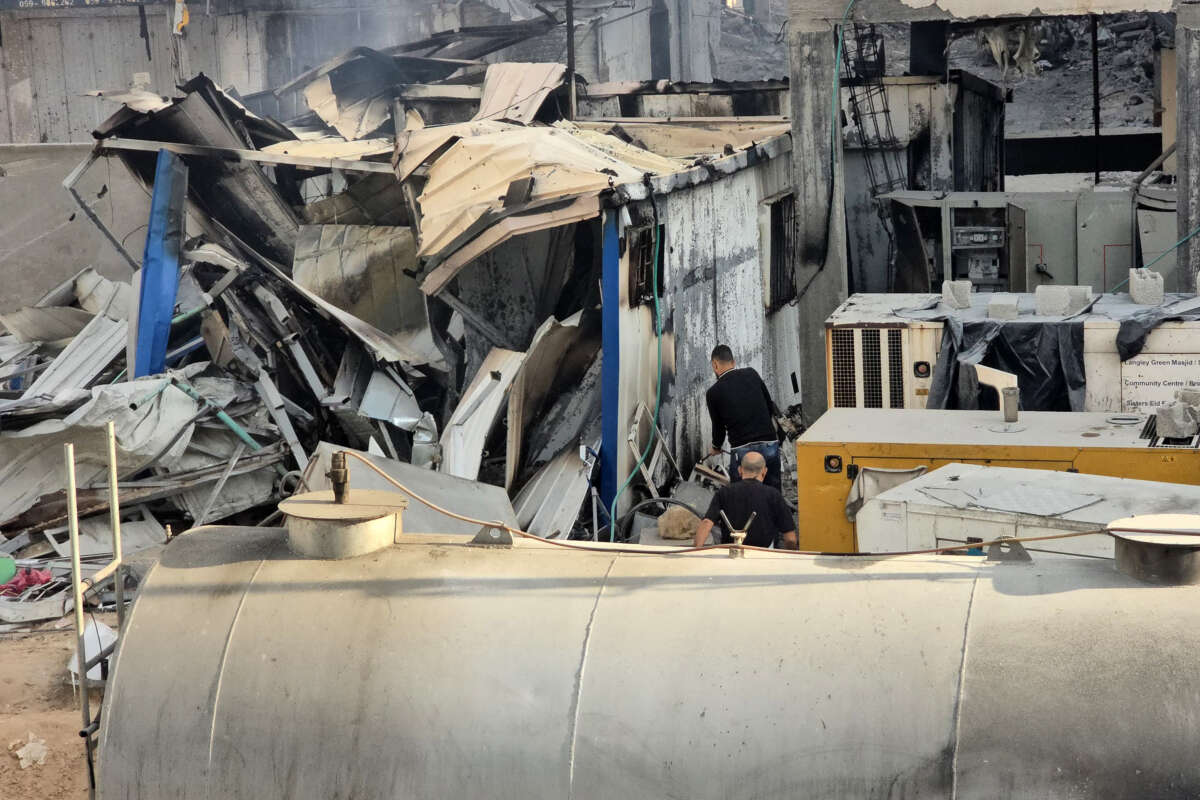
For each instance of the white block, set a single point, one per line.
(1080, 297)
(1052, 301)
(1146, 287)
(1176, 421)
(956, 294)
(1002, 306)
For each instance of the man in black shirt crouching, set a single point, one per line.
(773, 523)
(740, 406)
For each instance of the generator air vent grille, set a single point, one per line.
(867, 367)
(895, 368)
(872, 369)
(845, 390)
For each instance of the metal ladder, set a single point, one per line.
(113, 570)
(863, 67)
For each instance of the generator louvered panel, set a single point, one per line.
(867, 367)
(895, 369)
(872, 369)
(845, 387)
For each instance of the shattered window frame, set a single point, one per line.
(640, 247)
(781, 277)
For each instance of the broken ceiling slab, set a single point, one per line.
(391, 400)
(333, 147)
(237, 194)
(46, 324)
(88, 354)
(474, 42)
(531, 386)
(690, 137)
(374, 199)
(474, 175)
(500, 228)
(99, 295)
(466, 434)
(469, 498)
(515, 92)
(549, 504)
(415, 147)
(147, 418)
(365, 271)
(139, 100)
(355, 100)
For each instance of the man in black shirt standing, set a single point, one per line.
(740, 406)
(773, 523)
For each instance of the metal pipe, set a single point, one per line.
(571, 100)
(77, 596)
(1096, 92)
(1133, 196)
(114, 521)
(69, 184)
(227, 420)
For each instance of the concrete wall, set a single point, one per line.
(44, 238)
(49, 58)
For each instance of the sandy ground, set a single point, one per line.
(36, 698)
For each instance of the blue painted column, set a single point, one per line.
(610, 364)
(160, 265)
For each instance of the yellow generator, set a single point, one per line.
(850, 450)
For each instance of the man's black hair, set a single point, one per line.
(723, 354)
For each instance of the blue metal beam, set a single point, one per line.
(610, 365)
(160, 265)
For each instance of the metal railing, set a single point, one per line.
(80, 587)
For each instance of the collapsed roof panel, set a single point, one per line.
(475, 42)
(475, 176)
(515, 92)
(235, 193)
(365, 271)
(689, 137)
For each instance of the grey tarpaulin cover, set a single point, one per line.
(1131, 337)
(1046, 356)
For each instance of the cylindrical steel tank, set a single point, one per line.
(438, 669)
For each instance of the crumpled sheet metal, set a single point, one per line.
(515, 92)
(469, 498)
(31, 460)
(473, 178)
(466, 433)
(364, 270)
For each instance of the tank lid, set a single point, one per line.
(320, 527)
(1158, 548)
(361, 505)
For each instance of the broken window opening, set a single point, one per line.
(641, 260)
(782, 284)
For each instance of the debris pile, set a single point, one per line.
(322, 300)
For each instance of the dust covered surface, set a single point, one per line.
(36, 698)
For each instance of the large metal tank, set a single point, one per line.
(438, 669)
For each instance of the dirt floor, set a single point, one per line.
(36, 698)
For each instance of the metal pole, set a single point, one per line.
(1096, 92)
(77, 596)
(114, 522)
(571, 101)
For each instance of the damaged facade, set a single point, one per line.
(508, 298)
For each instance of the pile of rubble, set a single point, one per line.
(324, 304)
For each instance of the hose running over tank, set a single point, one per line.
(686, 550)
(612, 511)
